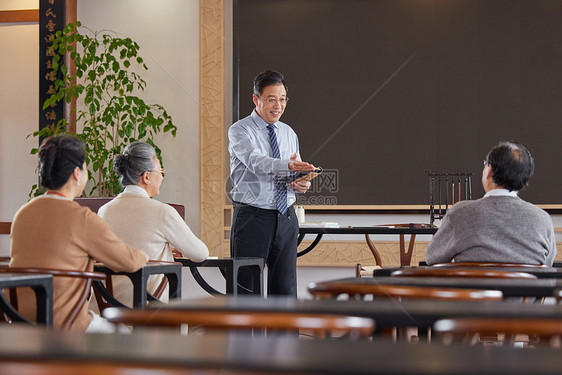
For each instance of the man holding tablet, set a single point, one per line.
(263, 150)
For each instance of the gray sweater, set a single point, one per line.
(494, 229)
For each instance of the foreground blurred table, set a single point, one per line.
(42, 285)
(385, 312)
(166, 353)
(509, 287)
(140, 281)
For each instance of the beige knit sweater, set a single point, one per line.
(54, 232)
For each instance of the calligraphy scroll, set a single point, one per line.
(51, 20)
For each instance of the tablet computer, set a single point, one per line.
(301, 176)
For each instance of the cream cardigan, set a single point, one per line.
(153, 226)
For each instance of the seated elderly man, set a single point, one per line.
(500, 227)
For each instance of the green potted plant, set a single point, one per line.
(110, 115)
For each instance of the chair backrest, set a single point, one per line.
(102, 301)
(88, 276)
(465, 329)
(320, 325)
(459, 272)
(490, 264)
(446, 189)
(5, 227)
(354, 290)
(94, 203)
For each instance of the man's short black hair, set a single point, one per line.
(268, 78)
(512, 165)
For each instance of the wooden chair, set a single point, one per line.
(5, 227)
(469, 330)
(333, 290)
(405, 254)
(459, 272)
(489, 264)
(88, 276)
(319, 325)
(358, 291)
(107, 301)
(94, 203)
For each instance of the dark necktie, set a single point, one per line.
(280, 187)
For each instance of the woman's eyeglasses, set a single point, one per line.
(161, 171)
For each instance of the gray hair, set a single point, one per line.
(137, 158)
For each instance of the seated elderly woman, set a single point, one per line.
(143, 222)
(53, 231)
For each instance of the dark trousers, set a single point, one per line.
(269, 235)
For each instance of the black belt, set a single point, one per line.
(254, 209)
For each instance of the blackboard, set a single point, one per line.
(381, 90)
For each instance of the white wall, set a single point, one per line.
(19, 112)
(168, 34)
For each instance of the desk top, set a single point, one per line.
(237, 353)
(385, 313)
(8, 280)
(509, 287)
(152, 267)
(368, 230)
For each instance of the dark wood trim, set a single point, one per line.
(70, 108)
(25, 15)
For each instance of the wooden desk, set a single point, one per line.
(539, 272)
(42, 285)
(405, 256)
(509, 287)
(140, 280)
(385, 313)
(229, 268)
(167, 353)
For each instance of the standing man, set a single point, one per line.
(264, 223)
(500, 227)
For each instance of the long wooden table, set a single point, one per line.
(509, 287)
(42, 285)
(405, 255)
(140, 281)
(167, 353)
(386, 313)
